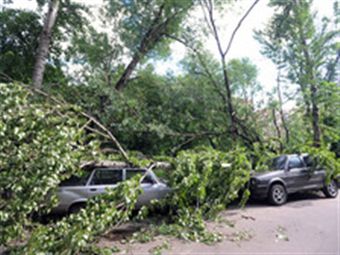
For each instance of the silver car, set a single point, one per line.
(74, 192)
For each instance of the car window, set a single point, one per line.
(279, 163)
(308, 161)
(76, 180)
(107, 176)
(295, 162)
(132, 172)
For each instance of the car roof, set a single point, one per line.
(295, 154)
(116, 169)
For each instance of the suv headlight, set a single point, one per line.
(253, 182)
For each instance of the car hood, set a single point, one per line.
(265, 175)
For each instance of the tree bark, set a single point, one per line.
(44, 43)
(154, 34)
(277, 128)
(127, 72)
(315, 117)
(230, 106)
(283, 119)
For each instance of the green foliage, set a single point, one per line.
(243, 75)
(306, 52)
(156, 115)
(189, 227)
(261, 157)
(40, 145)
(204, 182)
(158, 249)
(19, 31)
(148, 19)
(77, 233)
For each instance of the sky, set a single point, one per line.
(244, 45)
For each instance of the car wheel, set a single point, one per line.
(277, 194)
(331, 190)
(76, 208)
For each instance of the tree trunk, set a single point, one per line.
(44, 43)
(150, 39)
(277, 128)
(315, 118)
(230, 106)
(127, 72)
(283, 120)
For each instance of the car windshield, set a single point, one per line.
(278, 163)
(133, 172)
(309, 161)
(76, 180)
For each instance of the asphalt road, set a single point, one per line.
(308, 224)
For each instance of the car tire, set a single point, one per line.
(76, 208)
(277, 194)
(331, 190)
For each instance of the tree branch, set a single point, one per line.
(238, 26)
(106, 133)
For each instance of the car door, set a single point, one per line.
(297, 175)
(103, 179)
(317, 175)
(148, 185)
(72, 190)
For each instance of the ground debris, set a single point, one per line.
(281, 234)
(246, 217)
(239, 236)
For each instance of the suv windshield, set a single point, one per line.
(76, 180)
(278, 163)
(133, 172)
(309, 161)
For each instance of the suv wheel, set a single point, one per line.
(277, 194)
(76, 208)
(331, 190)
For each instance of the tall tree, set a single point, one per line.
(237, 129)
(306, 49)
(44, 43)
(209, 14)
